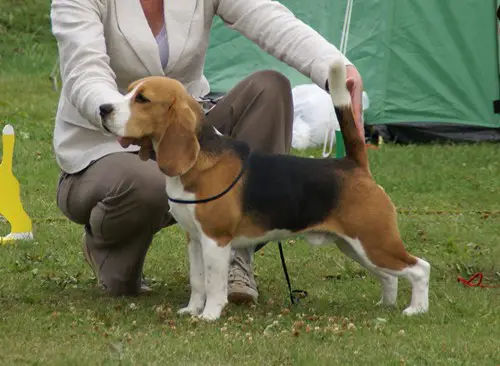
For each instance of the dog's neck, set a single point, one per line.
(215, 149)
(210, 141)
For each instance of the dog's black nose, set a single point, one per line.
(105, 110)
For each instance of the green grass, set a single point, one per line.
(51, 313)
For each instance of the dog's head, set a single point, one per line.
(159, 111)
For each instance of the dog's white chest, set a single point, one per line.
(183, 213)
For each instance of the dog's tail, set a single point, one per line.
(354, 143)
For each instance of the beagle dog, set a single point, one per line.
(224, 195)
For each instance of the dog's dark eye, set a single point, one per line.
(139, 98)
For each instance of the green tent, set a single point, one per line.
(430, 67)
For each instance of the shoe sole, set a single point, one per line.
(236, 297)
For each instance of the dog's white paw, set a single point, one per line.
(414, 310)
(385, 303)
(210, 315)
(190, 311)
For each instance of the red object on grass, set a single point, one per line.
(470, 282)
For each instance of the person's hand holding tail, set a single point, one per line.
(354, 84)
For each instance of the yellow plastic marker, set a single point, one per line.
(10, 194)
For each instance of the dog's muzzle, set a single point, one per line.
(105, 111)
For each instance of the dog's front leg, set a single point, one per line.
(196, 278)
(216, 261)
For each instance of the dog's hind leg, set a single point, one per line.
(196, 279)
(389, 261)
(389, 288)
(418, 275)
(389, 282)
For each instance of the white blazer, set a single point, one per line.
(106, 44)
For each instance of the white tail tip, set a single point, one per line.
(337, 84)
(8, 130)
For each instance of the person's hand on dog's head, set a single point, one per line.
(354, 84)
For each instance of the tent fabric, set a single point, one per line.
(498, 36)
(422, 62)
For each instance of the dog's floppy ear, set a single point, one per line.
(178, 148)
(133, 84)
